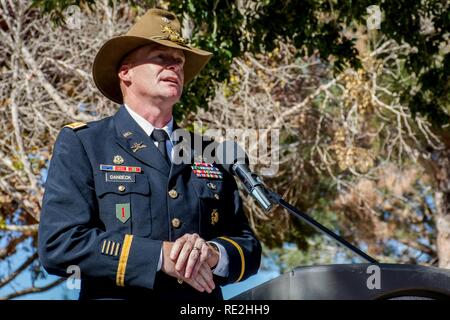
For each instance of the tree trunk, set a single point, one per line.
(442, 201)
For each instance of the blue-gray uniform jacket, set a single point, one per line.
(111, 200)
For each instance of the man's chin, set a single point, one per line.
(174, 94)
(174, 91)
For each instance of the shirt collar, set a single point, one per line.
(146, 125)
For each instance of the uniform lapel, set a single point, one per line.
(132, 138)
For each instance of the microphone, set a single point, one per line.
(234, 160)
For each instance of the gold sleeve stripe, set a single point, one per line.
(241, 253)
(117, 249)
(111, 250)
(121, 269)
(103, 247)
(107, 247)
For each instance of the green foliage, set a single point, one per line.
(56, 8)
(313, 26)
(2, 223)
(18, 165)
(301, 23)
(217, 28)
(426, 62)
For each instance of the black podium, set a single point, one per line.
(355, 282)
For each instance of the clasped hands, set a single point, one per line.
(190, 259)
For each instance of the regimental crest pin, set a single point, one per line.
(118, 159)
(123, 212)
(214, 217)
(138, 146)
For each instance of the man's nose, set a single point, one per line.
(174, 65)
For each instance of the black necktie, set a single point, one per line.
(160, 136)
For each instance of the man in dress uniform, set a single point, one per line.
(135, 222)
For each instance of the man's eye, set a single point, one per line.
(158, 57)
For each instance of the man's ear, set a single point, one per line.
(124, 73)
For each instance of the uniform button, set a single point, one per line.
(176, 223)
(121, 188)
(173, 193)
(216, 196)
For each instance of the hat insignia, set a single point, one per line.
(173, 35)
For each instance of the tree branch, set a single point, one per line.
(33, 228)
(33, 290)
(13, 275)
(11, 246)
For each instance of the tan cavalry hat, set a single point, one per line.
(156, 26)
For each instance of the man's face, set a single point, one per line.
(156, 72)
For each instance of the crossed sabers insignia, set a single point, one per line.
(138, 146)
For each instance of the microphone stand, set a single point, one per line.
(277, 199)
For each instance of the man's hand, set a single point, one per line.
(190, 252)
(201, 282)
